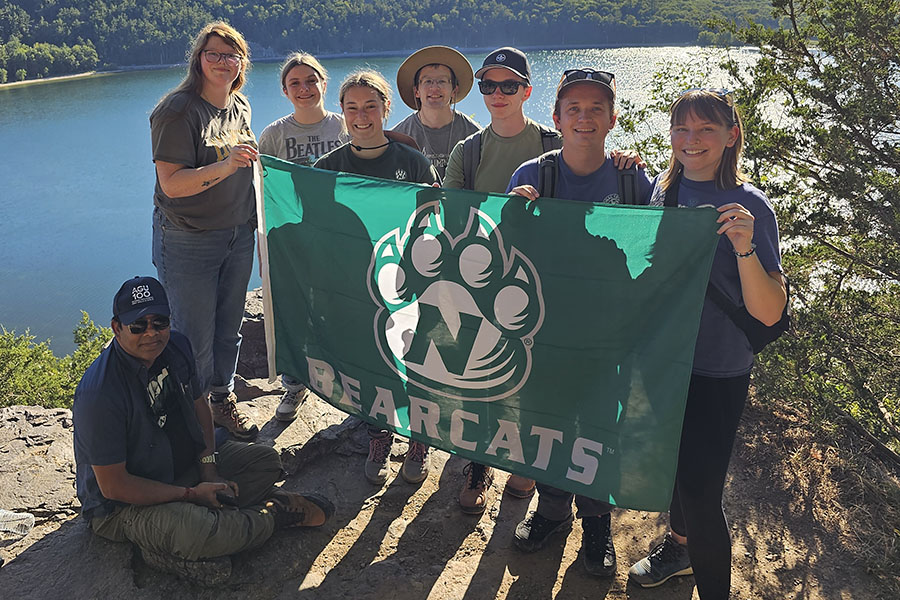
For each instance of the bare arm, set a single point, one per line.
(179, 181)
(116, 483)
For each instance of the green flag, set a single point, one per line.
(551, 339)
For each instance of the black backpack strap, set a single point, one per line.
(550, 138)
(627, 181)
(548, 173)
(471, 158)
(672, 191)
(722, 301)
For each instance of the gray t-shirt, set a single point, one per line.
(436, 144)
(187, 130)
(303, 144)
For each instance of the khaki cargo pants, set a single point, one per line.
(193, 532)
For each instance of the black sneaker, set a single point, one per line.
(669, 559)
(533, 532)
(597, 550)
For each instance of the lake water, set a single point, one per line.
(76, 178)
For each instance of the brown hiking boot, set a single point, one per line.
(291, 509)
(226, 414)
(519, 487)
(473, 497)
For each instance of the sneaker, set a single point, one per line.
(227, 414)
(207, 571)
(291, 509)
(533, 532)
(415, 464)
(597, 550)
(473, 497)
(669, 559)
(377, 467)
(519, 487)
(290, 403)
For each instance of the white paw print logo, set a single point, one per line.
(457, 315)
(400, 175)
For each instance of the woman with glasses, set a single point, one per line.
(365, 98)
(707, 137)
(204, 216)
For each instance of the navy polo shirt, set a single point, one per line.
(114, 420)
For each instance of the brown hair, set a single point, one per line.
(302, 58)
(715, 107)
(369, 79)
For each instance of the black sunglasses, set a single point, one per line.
(507, 88)
(722, 94)
(606, 77)
(158, 323)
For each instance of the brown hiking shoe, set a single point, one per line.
(415, 463)
(473, 497)
(226, 414)
(519, 487)
(291, 509)
(206, 571)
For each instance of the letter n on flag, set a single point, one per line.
(550, 339)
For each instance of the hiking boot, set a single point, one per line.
(206, 571)
(669, 559)
(533, 532)
(473, 497)
(597, 550)
(226, 414)
(415, 464)
(291, 509)
(290, 404)
(377, 467)
(519, 487)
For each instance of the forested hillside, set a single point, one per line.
(41, 38)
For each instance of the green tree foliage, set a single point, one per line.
(147, 32)
(31, 375)
(823, 132)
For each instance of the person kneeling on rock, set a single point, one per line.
(147, 469)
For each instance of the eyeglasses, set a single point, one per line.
(157, 323)
(212, 57)
(437, 82)
(722, 94)
(604, 77)
(507, 88)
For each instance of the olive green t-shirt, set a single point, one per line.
(500, 157)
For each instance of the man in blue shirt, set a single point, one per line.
(147, 470)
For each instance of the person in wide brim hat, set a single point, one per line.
(434, 55)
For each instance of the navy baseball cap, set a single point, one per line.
(140, 296)
(507, 58)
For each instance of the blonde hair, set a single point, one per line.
(302, 58)
(369, 79)
(715, 107)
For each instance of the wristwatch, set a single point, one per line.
(209, 459)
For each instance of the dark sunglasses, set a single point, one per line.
(507, 88)
(722, 94)
(605, 77)
(158, 323)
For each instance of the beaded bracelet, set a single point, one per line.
(746, 254)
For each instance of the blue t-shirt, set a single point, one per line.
(115, 419)
(600, 186)
(722, 348)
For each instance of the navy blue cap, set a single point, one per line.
(138, 297)
(507, 58)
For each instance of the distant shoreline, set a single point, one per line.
(271, 59)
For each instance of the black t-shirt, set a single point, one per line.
(399, 162)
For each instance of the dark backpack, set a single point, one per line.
(550, 140)
(548, 173)
(758, 334)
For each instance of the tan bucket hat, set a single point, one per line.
(433, 55)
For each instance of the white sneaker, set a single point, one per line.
(290, 403)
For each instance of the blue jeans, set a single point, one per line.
(206, 274)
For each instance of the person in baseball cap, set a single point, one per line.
(431, 81)
(140, 296)
(511, 59)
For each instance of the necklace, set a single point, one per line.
(361, 148)
(428, 141)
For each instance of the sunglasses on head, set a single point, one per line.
(720, 93)
(606, 77)
(157, 323)
(507, 88)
